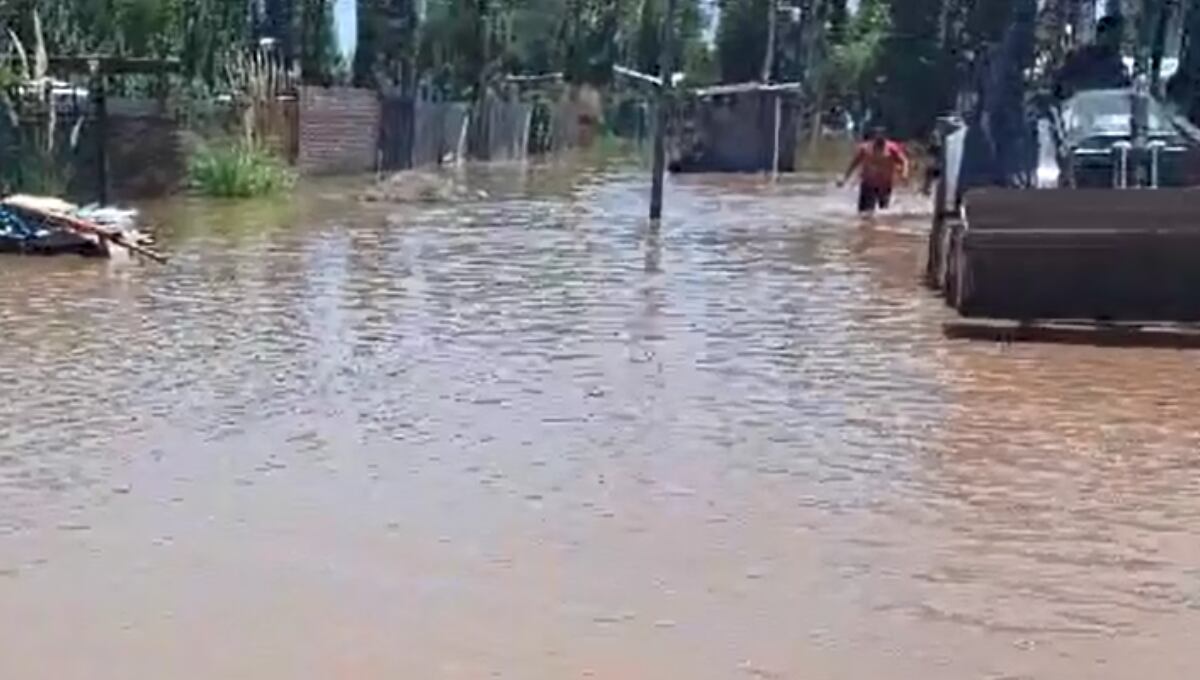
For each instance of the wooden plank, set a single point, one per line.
(740, 88)
(534, 78)
(116, 65)
(111, 65)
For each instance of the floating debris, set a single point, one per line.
(417, 186)
(43, 225)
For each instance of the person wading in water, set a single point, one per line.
(879, 162)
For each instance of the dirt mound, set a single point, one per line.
(415, 186)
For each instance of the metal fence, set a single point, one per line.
(421, 133)
(500, 130)
(135, 152)
(320, 130)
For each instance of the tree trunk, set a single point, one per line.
(484, 38)
(1166, 14)
(944, 27)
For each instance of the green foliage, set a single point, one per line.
(38, 172)
(531, 41)
(699, 64)
(200, 33)
(914, 86)
(146, 27)
(44, 156)
(839, 21)
(742, 39)
(691, 53)
(320, 60)
(590, 35)
(388, 41)
(453, 50)
(238, 170)
(848, 75)
(9, 80)
(648, 37)
(30, 130)
(901, 60)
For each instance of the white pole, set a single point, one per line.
(523, 152)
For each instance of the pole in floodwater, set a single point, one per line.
(100, 103)
(775, 140)
(665, 70)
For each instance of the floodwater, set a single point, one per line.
(527, 437)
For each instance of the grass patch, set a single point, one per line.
(238, 171)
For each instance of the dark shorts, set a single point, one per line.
(872, 198)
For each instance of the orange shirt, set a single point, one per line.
(880, 169)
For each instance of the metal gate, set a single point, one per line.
(396, 134)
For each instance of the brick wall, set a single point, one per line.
(339, 130)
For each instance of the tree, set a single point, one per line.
(531, 43)
(589, 34)
(741, 39)
(210, 31)
(914, 86)
(848, 76)
(319, 55)
(201, 33)
(452, 49)
(277, 21)
(388, 43)
(839, 19)
(690, 51)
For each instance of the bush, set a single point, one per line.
(238, 171)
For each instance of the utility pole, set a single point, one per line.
(666, 68)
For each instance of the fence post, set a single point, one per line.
(665, 70)
(100, 98)
(775, 143)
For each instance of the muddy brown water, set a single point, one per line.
(528, 437)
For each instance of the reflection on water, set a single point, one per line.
(531, 436)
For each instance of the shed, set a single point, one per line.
(745, 127)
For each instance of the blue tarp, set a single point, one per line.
(14, 226)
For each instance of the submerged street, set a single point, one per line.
(527, 437)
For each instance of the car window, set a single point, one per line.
(1107, 113)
